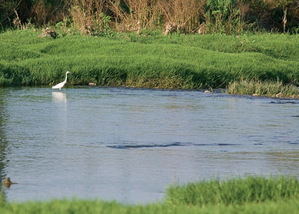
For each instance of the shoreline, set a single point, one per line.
(204, 91)
(239, 195)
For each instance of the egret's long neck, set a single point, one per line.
(65, 77)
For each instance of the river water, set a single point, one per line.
(129, 145)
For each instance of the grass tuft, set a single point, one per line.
(258, 88)
(235, 191)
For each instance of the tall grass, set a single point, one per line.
(175, 61)
(92, 207)
(258, 88)
(43, 12)
(224, 17)
(182, 15)
(89, 16)
(235, 191)
(135, 15)
(229, 16)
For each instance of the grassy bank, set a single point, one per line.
(148, 60)
(250, 195)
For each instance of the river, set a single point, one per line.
(129, 145)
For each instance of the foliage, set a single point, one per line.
(89, 17)
(135, 15)
(91, 207)
(148, 60)
(221, 6)
(221, 16)
(184, 14)
(235, 191)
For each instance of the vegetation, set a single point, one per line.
(147, 60)
(91, 207)
(121, 43)
(269, 89)
(250, 195)
(235, 191)
(189, 16)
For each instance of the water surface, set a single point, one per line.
(129, 145)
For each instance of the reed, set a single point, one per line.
(182, 16)
(135, 15)
(89, 16)
(187, 16)
(43, 12)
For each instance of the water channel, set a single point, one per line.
(129, 145)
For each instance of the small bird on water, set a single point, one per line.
(7, 182)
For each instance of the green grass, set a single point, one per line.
(257, 88)
(148, 60)
(235, 191)
(249, 195)
(93, 207)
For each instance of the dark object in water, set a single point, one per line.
(168, 145)
(214, 144)
(284, 102)
(144, 146)
(7, 182)
(295, 116)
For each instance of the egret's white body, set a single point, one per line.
(60, 85)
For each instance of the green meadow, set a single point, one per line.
(149, 60)
(247, 195)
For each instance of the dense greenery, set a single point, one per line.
(250, 195)
(235, 191)
(148, 60)
(91, 207)
(222, 16)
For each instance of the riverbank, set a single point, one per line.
(249, 195)
(149, 60)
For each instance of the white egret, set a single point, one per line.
(60, 85)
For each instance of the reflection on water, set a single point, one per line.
(129, 145)
(58, 96)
